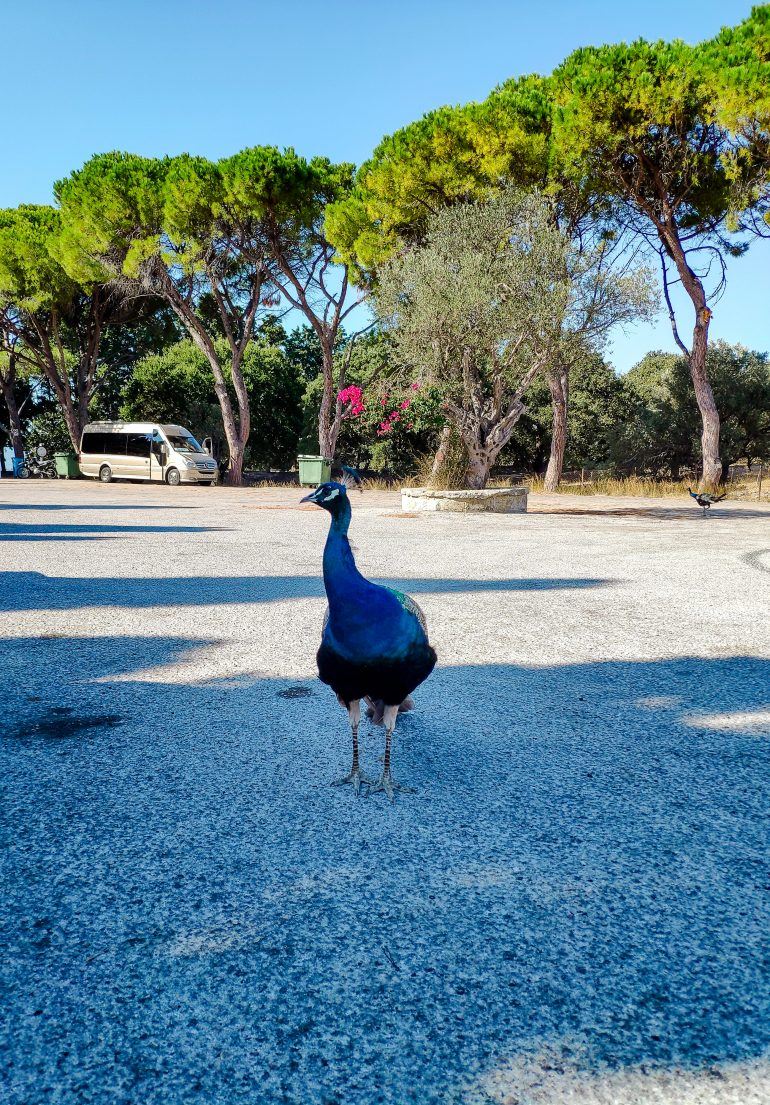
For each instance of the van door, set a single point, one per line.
(137, 464)
(115, 453)
(159, 458)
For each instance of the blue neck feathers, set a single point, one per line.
(342, 578)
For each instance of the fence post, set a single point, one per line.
(582, 476)
(759, 484)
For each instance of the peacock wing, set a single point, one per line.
(409, 604)
(406, 601)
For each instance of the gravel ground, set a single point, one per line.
(573, 907)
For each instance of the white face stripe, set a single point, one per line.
(330, 495)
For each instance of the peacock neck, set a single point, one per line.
(341, 576)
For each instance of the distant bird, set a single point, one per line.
(702, 498)
(374, 642)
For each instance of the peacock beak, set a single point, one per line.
(309, 498)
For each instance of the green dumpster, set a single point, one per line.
(313, 470)
(66, 465)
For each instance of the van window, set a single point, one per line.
(115, 444)
(184, 444)
(137, 445)
(93, 443)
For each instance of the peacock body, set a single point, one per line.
(374, 643)
(704, 499)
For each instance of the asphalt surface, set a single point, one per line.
(573, 907)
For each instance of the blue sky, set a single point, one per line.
(326, 77)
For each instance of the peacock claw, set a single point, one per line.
(355, 778)
(388, 784)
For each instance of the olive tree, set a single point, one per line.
(494, 295)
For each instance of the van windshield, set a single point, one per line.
(184, 444)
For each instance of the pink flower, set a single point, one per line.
(355, 397)
(415, 386)
(405, 405)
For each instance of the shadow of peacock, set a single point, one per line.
(374, 643)
(703, 499)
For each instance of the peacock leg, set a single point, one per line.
(386, 781)
(354, 777)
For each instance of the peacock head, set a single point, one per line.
(332, 495)
(329, 495)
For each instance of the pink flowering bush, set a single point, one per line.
(387, 425)
(352, 399)
(397, 414)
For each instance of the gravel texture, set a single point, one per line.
(572, 908)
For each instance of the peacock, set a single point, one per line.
(702, 498)
(374, 642)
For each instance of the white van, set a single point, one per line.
(144, 451)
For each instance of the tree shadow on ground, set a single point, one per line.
(194, 914)
(85, 531)
(35, 591)
(96, 506)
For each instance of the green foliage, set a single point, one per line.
(599, 402)
(47, 427)
(662, 434)
(497, 290)
(219, 241)
(176, 386)
(678, 132)
(303, 349)
(121, 210)
(173, 386)
(451, 155)
(31, 279)
(412, 433)
(112, 215)
(122, 346)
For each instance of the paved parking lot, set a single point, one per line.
(574, 905)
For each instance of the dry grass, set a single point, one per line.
(637, 486)
(742, 489)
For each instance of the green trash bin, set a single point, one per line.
(66, 465)
(314, 470)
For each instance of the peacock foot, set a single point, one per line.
(388, 784)
(355, 778)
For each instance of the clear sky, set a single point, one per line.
(324, 76)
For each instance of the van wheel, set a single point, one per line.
(173, 477)
(105, 473)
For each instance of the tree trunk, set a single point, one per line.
(479, 464)
(712, 464)
(74, 425)
(442, 454)
(236, 439)
(696, 356)
(558, 383)
(235, 471)
(328, 423)
(236, 442)
(14, 418)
